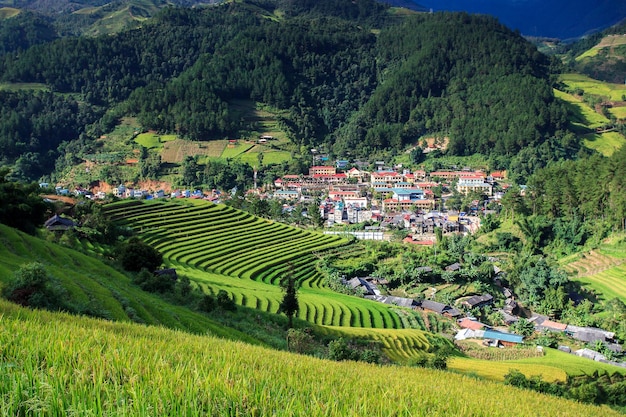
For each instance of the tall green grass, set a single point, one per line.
(60, 365)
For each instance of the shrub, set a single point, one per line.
(340, 350)
(32, 286)
(225, 302)
(151, 282)
(207, 303)
(136, 255)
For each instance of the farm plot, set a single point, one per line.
(398, 345)
(219, 247)
(602, 270)
(176, 151)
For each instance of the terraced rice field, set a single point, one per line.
(219, 247)
(603, 270)
(398, 345)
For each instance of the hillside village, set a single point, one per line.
(389, 198)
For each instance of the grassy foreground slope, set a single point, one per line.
(56, 364)
(98, 288)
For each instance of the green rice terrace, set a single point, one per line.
(602, 270)
(221, 248)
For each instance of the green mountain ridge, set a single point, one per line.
(353, 77)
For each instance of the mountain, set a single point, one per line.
(352, 76)
(562, 19)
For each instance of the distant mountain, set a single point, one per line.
(562, 19)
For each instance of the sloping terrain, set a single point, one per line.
(83, 366)
(219, 247)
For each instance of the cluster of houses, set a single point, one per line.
(471, 328)
(384, 195)
(122, 191)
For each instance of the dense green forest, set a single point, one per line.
(351, 75)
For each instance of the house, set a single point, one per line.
(167, 272)
(454, 267)
(439, 308)
(468, 184)
(322, 170)
(589, 334)
(58, 223)
(590, 354)
(477, 301)
(505, 339)
(368, 288)
(401, 301)
(467, 323)
(341, 164)
(286, 195)
(552, 326)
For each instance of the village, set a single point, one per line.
(392, 198)
(383, 199)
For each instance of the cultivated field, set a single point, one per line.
(177, 150)
(23, 86)
(153, 140)
(586, 118)
(219, 247)
(606, 42)
(553, 366)
(80, 366)
(8, 12)
(603, 270)
(613, 92)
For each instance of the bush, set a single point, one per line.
(32, 286)
(225, 302)
(136, 255)
(340, 350)
(207, 303)
(148, 281)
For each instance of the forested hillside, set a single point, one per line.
(354, 76)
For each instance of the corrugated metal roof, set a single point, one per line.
(505, 337)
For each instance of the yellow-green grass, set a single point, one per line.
(619, 112)
(263, 119)
(23, 86)
(8, 12)
(607, 42)
(153, 140)
(584, 115)
(269, 157)
(612, 91)
(608, 284)
(55, 364)
(553, 366)
(398, 345)
(177, 150)
(232, 151)
(605, 143)
(603, 270)
(90, 282)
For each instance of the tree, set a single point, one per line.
(523, 327)
(136, 255)
(225, 302)
(289, 305)
(32, 286)
(21, 206)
